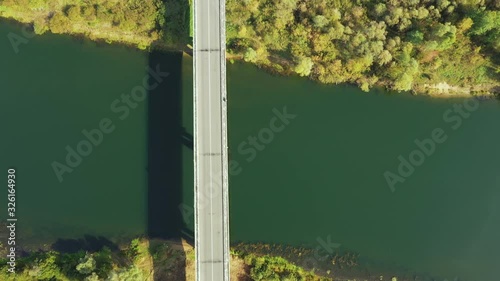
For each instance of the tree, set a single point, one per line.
(494, 39)
(40, 26)
(421, 13)
(404, 74)
(444, 35)
(283, 14)
(45, 268)
(359, 65)
(335, 15)
(104, 262)
(93, 277)
(103, 14)
(59, 23)
(384, 58)
(89, 13)
(485, 21)
(416, 36)
(304, 66)
(87, 265)
(73, 13)
(403, 83)
(322, 44)
(336, 31)
(380, 9)
(465, 25)
(337, 41)
(250, 55)
(332, 72)
(365, 83)
(320, 21)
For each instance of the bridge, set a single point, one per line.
(210, 145)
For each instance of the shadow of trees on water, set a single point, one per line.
(88, 243)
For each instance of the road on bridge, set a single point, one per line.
(210, 133)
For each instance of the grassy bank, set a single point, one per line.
(327, 264)
(148, 260)
(142, 24)
(144, 259)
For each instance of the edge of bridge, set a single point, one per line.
(225, 153)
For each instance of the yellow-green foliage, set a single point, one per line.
(163, 23)
(61, 267)
(394, 43)
(268, 268)
(130, 21)
(400, 44)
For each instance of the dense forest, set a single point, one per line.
(399, 44)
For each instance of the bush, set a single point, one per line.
(40, 26)
(59, 23)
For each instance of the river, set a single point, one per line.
(309, 161)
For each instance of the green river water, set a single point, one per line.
(317, 174)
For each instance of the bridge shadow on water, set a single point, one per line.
(166, 138)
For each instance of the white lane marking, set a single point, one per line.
(210, 133)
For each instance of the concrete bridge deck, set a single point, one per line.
(210, 134)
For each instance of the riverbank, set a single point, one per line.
(81, 21)
(340, 264)
(144, 259)
(141, 259)
(137, 24)
(489, 90)
(444, 90)
(400, 45)
(457, 53)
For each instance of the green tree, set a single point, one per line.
(403, 83)
(93, 277)
(380, 9)
(304, 66)
(465, 25)
(416, 36)
(486, 21)
(45, 268)
(384, 58)
(40, 26)
(87, 265)
(73, 13)
(320, 21)
(89, 13)
(250, 55)
(104, 262)
(59, 23)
